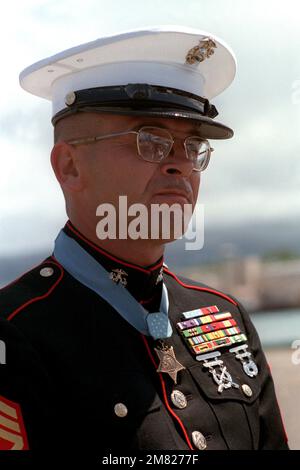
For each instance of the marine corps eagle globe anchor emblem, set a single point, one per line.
(118, 276)
(204, 50)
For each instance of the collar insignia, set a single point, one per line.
(119, 276)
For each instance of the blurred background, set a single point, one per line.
(250, 192)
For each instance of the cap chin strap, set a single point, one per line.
(135, 97)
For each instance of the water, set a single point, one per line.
(277, 328)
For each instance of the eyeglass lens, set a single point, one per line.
(155, 144)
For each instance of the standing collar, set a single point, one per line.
(144, 283)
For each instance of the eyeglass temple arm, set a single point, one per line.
(88, 140)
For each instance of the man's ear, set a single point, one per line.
(66, 166)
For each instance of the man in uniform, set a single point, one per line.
(106, 348)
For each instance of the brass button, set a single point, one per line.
(199, 440)
(70, 98)
(179, 399)
(120, 410)
(46, 272)
(247, 390)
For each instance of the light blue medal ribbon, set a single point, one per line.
(83, 267)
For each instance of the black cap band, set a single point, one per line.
(135, 96)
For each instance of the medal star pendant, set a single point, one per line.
(168, 362)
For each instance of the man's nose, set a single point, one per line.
(177, 162)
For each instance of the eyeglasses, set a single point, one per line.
(154, 145)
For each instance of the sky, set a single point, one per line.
(254, 176)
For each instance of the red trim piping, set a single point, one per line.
(22, 275)
(165, 395)
(205, 289)
(108, 255)
(40, 297)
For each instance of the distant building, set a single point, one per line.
(260, 285)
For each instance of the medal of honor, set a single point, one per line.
(167, 361)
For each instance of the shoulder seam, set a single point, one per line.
(40, 297)
(205, 289)
(24, 274)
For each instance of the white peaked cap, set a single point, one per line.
(179, 62)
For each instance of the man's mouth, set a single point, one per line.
(173, 196)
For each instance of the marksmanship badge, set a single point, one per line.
(244, 356)
(218, 371)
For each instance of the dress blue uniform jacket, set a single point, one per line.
(70, 358)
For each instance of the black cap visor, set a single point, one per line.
(148, 100)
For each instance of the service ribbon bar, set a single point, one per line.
(203, 320)
(214, 335)
(200, 311)
(209, 327)
(209, 331)
(218, 343)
